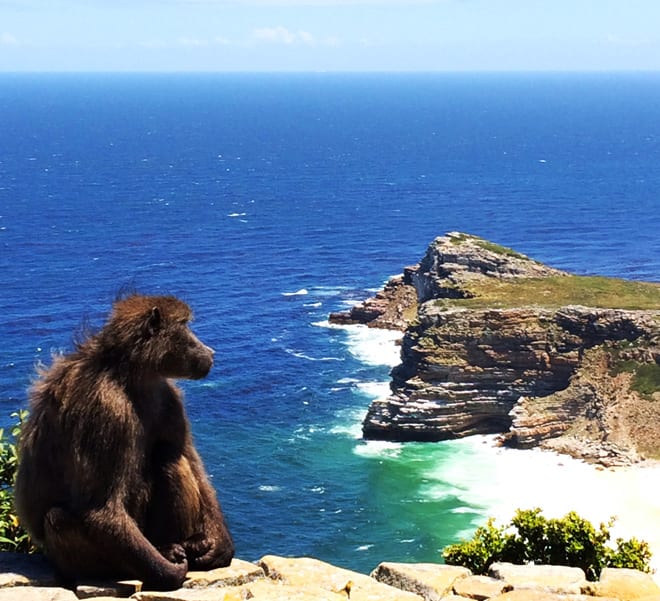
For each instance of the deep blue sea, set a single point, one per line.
(268, 201)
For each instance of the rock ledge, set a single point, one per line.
(273, 578)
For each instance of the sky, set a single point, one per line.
(329, 35)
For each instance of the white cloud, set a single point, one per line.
(627, 42)
(7, 39)
(306, 38)
(274, 35)
(282, 35)
(332, 41)
(190, 42)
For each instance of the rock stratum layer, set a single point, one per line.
(497, 343)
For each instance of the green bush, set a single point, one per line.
(13, 537)
(532, 538)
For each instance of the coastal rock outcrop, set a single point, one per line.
(502, 344)
(392, 308)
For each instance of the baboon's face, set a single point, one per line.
(180, 354)
(187, 355)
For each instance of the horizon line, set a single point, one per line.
(327, 71)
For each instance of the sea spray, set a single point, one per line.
(372, 346)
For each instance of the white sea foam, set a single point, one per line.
(379, 448)
(350, 420)
(326, 324)
(374, 390)
(349, 423)
(373, 346)
(309, 358)
(237, 215)
(300, 292)
(496, 481)
(349, 303)
(325, 291)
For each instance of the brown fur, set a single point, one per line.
(109, 482)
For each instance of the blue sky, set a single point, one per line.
(329, 35)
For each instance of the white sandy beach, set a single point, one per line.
(502, 480)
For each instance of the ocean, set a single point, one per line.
(268, 201)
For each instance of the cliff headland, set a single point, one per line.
(497, 343)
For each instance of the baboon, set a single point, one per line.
(109, 482)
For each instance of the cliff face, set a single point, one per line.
(493, 349)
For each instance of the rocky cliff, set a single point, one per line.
(497, 343)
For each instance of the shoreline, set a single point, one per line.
(558, 483)
(494, 481)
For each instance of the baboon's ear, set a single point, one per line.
(153, 322)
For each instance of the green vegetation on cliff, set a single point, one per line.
(557, 291)
(13, 536)
(531, 537)
(645, 376)
(459, 238)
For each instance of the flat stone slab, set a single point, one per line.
(21, 569)
(537, 595)
(308, 571)
(271, 590)
(480, 587)
(37, 593)
(182, 594)
(624, 584)
(237, 573)
(258, 590)
(96, 590)
(528, 595)
(433, 581)
(551, 579)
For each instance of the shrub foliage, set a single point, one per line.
(13, 537)
(533, 538)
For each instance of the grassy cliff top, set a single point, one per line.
(460, 238)
(551, 290)
(558, 291)
(489, 275)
